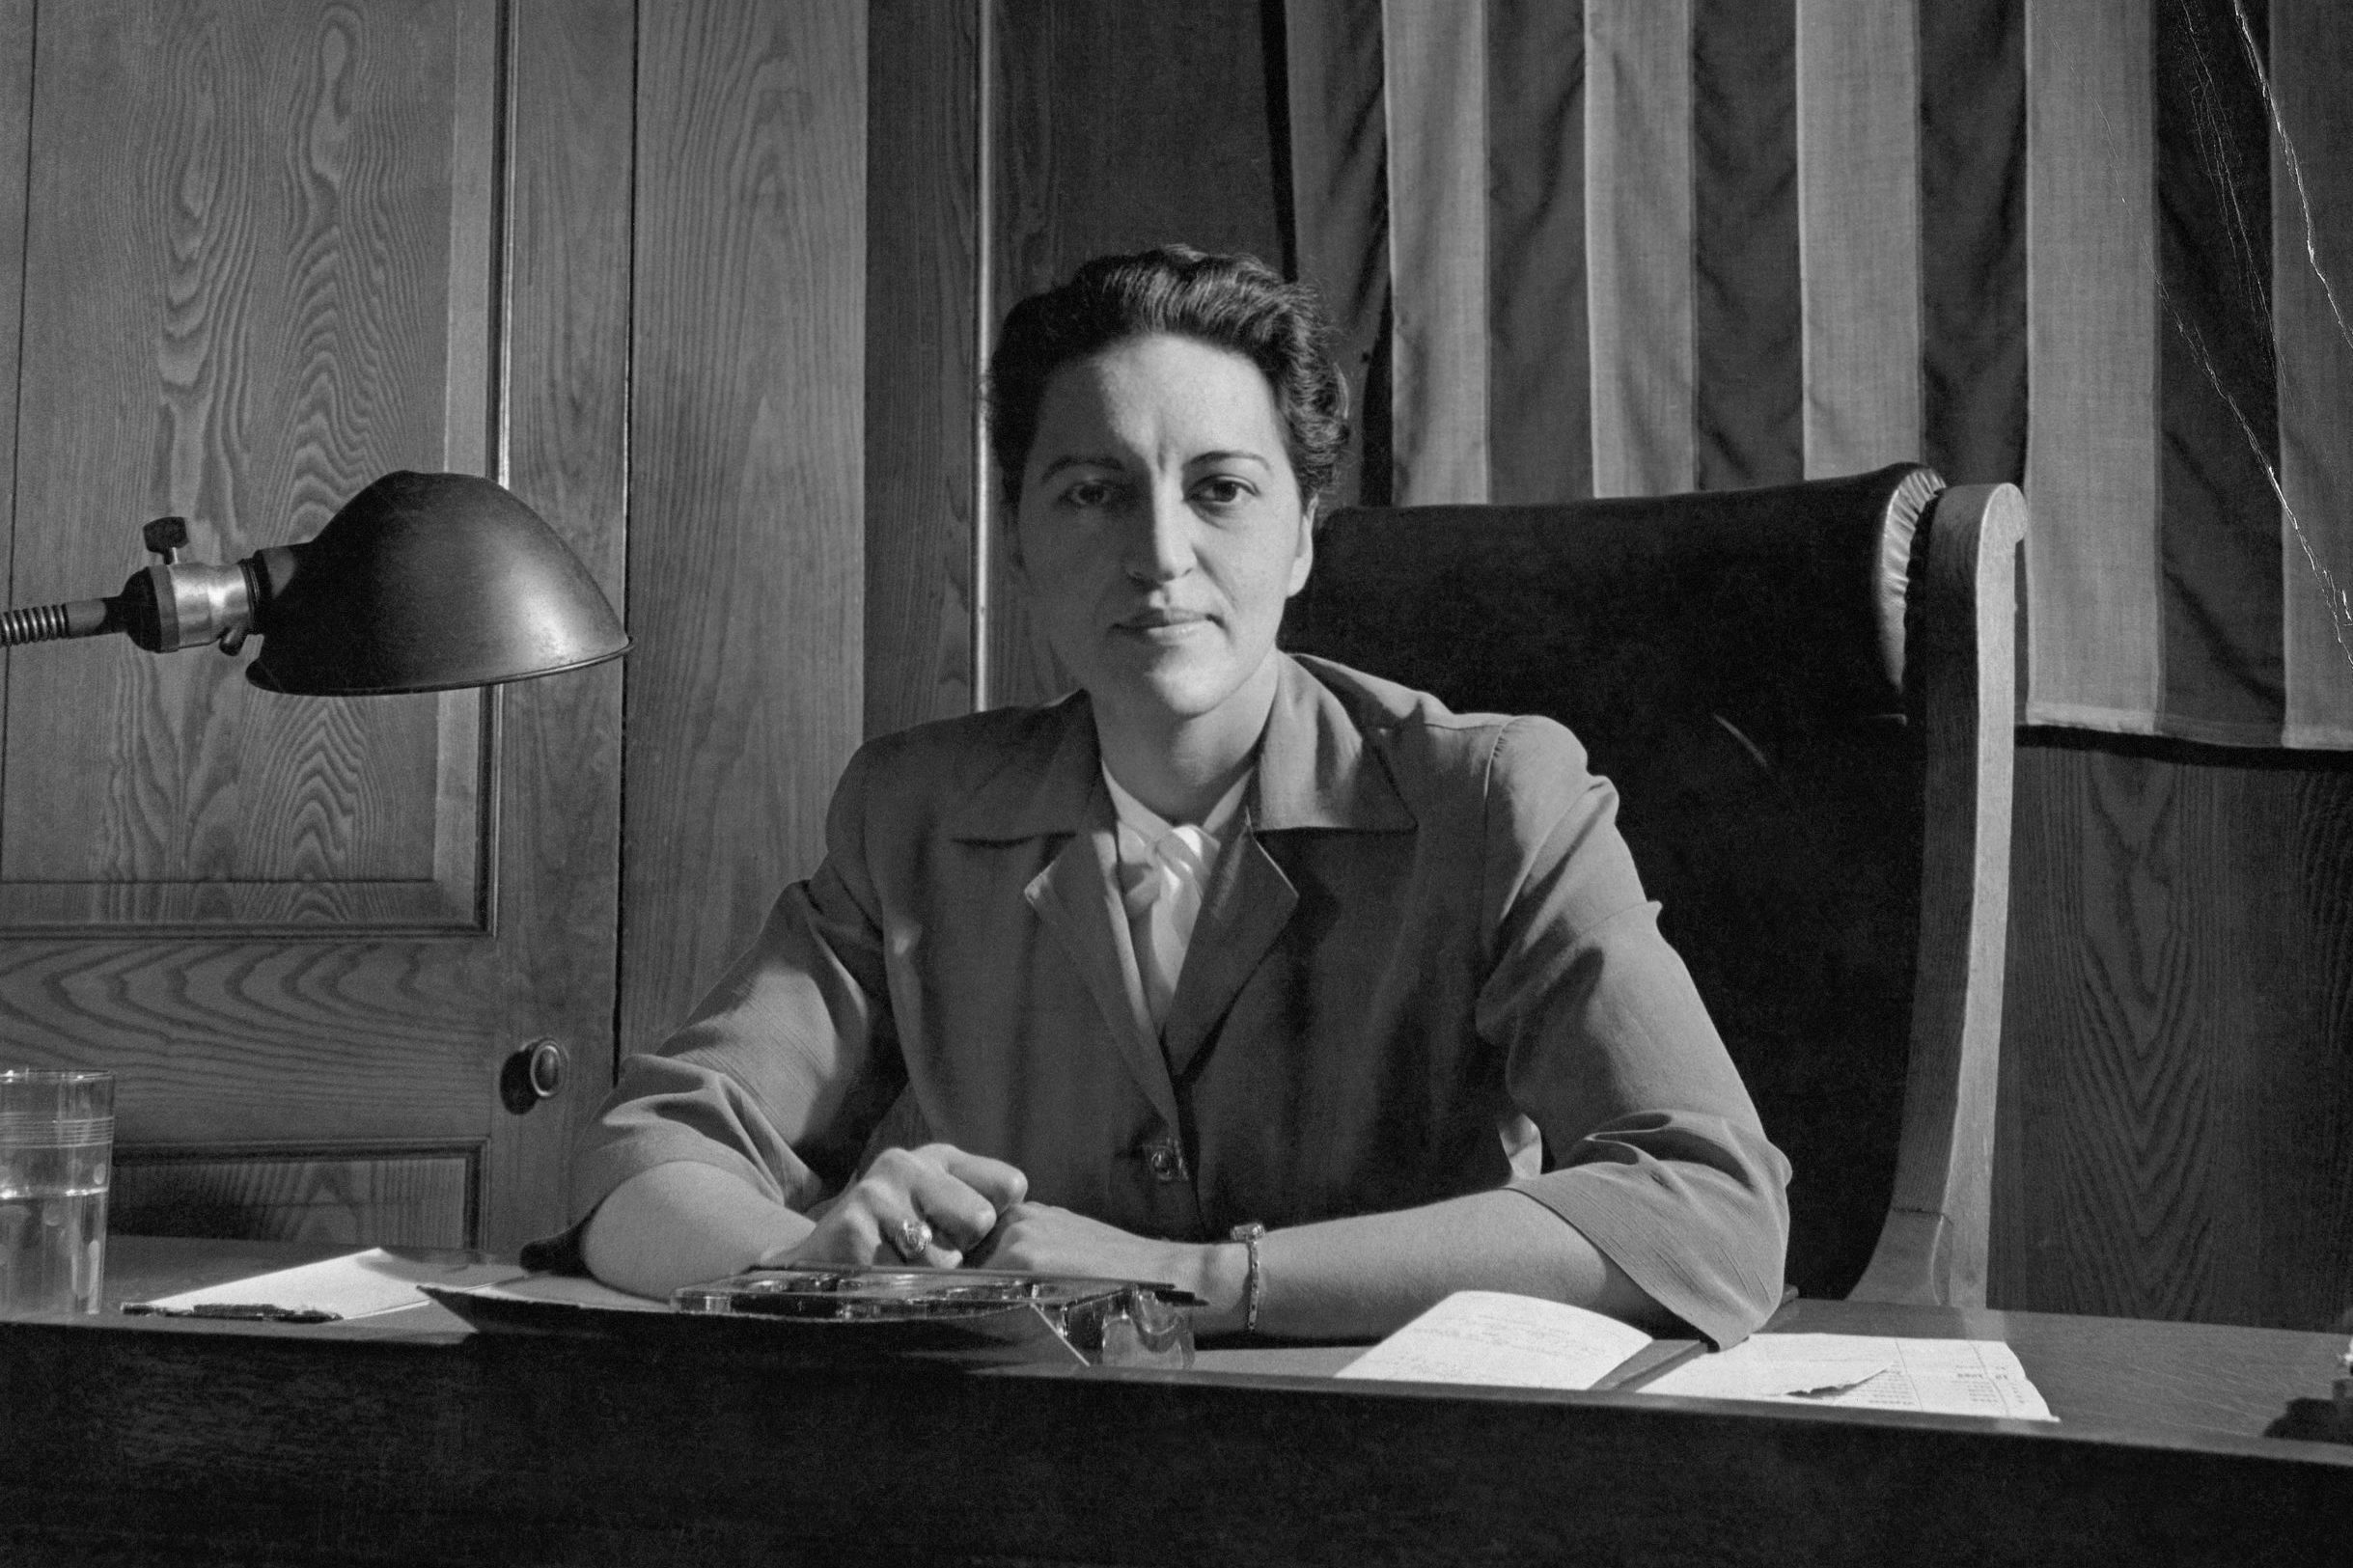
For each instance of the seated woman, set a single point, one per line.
(1222, 939)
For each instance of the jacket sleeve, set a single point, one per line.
(1652, 1149)
(788, 1064)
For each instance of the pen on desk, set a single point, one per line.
(237, 1312)
(1832, 1390)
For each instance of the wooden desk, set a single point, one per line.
(137, 1440)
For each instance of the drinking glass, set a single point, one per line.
(56, 1151)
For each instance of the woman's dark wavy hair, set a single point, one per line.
(1232, 302)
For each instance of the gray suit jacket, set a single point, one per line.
(1424, 966)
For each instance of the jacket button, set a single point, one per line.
(1166, 1160)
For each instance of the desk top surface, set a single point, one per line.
(384, 1442)
(2154, 1381)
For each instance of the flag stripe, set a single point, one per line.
(1436, 68)
(1637, 226)
(2219, 517)
(2312, 55)
(2092, 312)
(1340, 194)
(1973, 240)
(1539, 407)
(1858, 192)
(1748, 402)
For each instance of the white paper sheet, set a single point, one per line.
(361, 1284)
(1953, 1377)
(1511, 1341)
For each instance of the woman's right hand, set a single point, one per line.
(954, 1194)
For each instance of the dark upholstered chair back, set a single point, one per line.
(1758, 672)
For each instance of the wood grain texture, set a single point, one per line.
(236, 267)
(2177, 1087)
(921, 375)
(440, 891)
(273, 219)
(1120, 127)
(388, 1198)
(251, 1042)
(16, 147)
(2304, 1051)
(566, 428)
(746, 571)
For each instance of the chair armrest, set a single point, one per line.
(1932, 1248)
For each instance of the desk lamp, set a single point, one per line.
(422, 583)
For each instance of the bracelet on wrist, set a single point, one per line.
(1253, 1281)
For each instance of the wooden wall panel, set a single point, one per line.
(746, 573)
(393, 1198)
(15, 148)
(565, 449)
(922, 358)
(1122, 126)
(2177, 1128)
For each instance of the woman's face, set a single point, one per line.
(1160, 531)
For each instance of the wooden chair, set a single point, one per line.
(1805, 695)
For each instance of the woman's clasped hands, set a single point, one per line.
(944, 1207)
(931, 1205)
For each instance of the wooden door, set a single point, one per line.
(252, 255)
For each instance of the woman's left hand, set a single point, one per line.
(1045, 1239)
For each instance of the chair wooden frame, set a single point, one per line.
(1933, 1249)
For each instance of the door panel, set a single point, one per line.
(241, 302)
(402, 1199)
(270, 252)
(379, 801)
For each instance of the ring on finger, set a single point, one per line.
(911, 1237)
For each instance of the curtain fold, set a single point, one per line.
(2311, 215)
(1435, 90)
(1748, 317)
(2092, 246)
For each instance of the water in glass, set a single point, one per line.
(56, 1149)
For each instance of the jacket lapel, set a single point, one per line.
(1249, 902)
(1313, 773)
(1052, 787)
(1072, 895)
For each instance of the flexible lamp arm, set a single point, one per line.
(49, 622)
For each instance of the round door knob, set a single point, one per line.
(544, 1069)
(533, 1074)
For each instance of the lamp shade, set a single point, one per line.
(426, 582)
